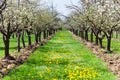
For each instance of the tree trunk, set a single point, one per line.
(19, 35)
(39, 36)
(47, 33)
(82, 34)
(86, 35)
(29, 38)
(74, 31)
(36, 38)
(100, 40)
(6, 42)
(50, 32)
(96, 40)
(108, 43)
(54, 31)
(23, 41)
(79, 32)
(91, 36)
(44, 34)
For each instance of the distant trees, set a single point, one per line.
(98, 17)
(21, 17)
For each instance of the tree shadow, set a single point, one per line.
(2, 48)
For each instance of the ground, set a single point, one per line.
(112, 59)
(62, 58)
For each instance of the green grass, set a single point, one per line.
(13, 44)
(62, 58)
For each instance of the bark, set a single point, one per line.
(36, 38)
(44, 34)
(53, 31)
(108, 44)
(23, 41)
(47, 33)
(109, 37)
(39, 36)
(100, 40)
(29, 38)
(91, 36)
(82, 34)
(86, 35)
(96, 40)
(79, 32)
(96, 32)
(19, 35)
(75, 32)
(6, 42)
(50, 33)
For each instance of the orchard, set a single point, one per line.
(38, 42)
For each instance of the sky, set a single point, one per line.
(60, 5)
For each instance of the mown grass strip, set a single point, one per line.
(62, 58)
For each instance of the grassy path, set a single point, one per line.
(62, 58)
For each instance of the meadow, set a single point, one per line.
(62, 58)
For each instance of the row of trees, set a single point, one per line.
(20, 17)
(100, 18)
